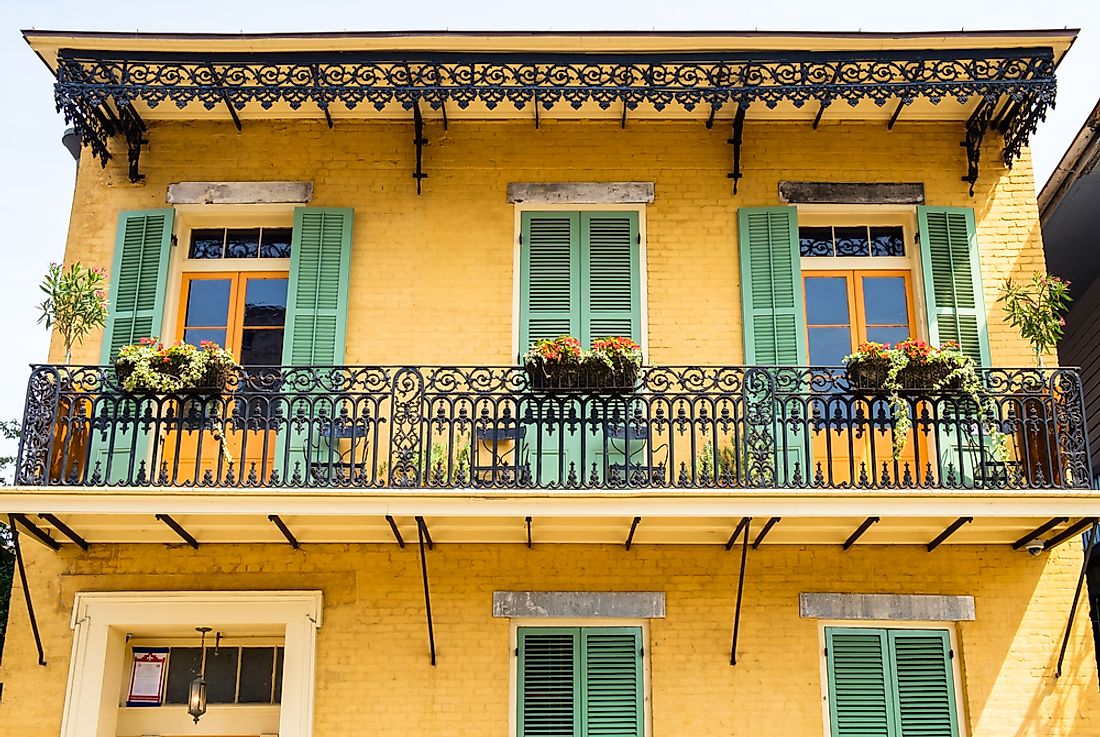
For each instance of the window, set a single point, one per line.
(234, 675)
(243, 312)
(890, 682)
(579, 682)
(846, 308)
(580, 275)
(207, 243)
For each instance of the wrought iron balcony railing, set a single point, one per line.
(490, 428)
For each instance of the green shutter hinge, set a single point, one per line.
(174, 240)
(951, 654)
(638, 239)
(826, 652)
(641, 652)
(516, 652)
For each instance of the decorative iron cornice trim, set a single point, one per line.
(1018, 83)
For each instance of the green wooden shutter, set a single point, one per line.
(771, 287)
(952, 280)
(550, 268)
(610, 276)
(317, 300)
(860, 694)
(139, 278)
(921, 664)
(316, 319)
(611, 696)
(548, 677)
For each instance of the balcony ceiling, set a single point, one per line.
(694, 518)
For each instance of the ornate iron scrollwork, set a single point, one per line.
(90, 85)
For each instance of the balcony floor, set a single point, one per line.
(592, 517)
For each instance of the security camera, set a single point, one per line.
(1035, 547)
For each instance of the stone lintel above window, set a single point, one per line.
(580, 604)
(887, 607)
(852, 193)
(580, 193)
(239, 193)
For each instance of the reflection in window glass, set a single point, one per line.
(207, 243)
(851, 241)
(813, 241)
(184, 664)
(275, 243)
(887, 241)
(208, 303)
(265, 302)
(242, 243)
(257, 674)
(829, 346)
(221, 675)
(827, 300)
(884, 300)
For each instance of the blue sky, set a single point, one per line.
(39, 172)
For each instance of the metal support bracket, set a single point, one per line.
(736, 140)
(133, 129)
(633, 527)
(178, 529)
(39, 534)
(396, 532)
(527, 520)
(745, 524)
(1071, 531)
(421, 533)
(737, 532)
(951, 530)
(772, 522)
(976, 126)
(65, 530)
(866, 524)
(419, 140)
(1073, 607)
(26, 589)
(1039, 531)
(285, 530)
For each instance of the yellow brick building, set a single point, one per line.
(400, 530)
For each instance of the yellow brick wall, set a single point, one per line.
(432, 275)
(373, 674)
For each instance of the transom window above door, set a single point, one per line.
(263, 242)
(851, 240)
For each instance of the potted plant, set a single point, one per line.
(913, 367)
(150, 367)
(1036, 308)
(75, 305)
(613, 362)
(554, 363)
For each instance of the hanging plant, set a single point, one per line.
(915, 367)
(561, 364)
(618, 358)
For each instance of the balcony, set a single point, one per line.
(472, 428)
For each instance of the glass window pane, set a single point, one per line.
(815, 241)
(887, 241)
(884, 300)
(829, 346)
(275, 243)
(261, 347)
(889, 335)
(265, 302)
(827, 300)
(852, 241)
(184, 664)
(194, 336)
(242, 243)
(208, 303)
(221, 675)
(257, 665)
(206, 243)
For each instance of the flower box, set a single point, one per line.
(560, 365)
(151, 368)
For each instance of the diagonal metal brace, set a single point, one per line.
(26, 589)
(420, 533)
(740, 589)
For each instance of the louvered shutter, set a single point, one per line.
(925, 703)
(952, 279)
(548, 678)
(771, 287)
(611, 696)
(860, 698)
(550, 299)
(317, 299)
(139, 277)
(610, 276)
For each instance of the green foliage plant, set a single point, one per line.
(75, 304)
(1036, 308)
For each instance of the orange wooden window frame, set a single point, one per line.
(238, 282)
(857, 319)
